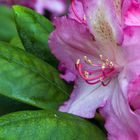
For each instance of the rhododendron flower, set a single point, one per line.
(98, 46)
(28, 3)
(55, 6)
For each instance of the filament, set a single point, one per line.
(101, 73)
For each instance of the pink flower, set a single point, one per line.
(55, 6)
(98, 46)
(28, 3)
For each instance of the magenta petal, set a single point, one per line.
(27, 3)
(76, 11)
(132, 16)
(121, 122)
(71, 41)
(132, 71)
(85, 99)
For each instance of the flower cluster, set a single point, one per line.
(98, 45)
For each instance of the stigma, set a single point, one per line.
(101, 72)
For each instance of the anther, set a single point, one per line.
(84, 18)
(107, 61)
(86, 74)
(101, 73)
(103, 66)
(111, 64)
(101, 79)
(88, 61)
(101, 56)
(78, 61)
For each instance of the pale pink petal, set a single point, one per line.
(71, 41)
(121, 122)
(39, 6)
(103, 21)
(55, 6)
(85, 98)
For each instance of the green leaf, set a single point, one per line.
(26, 78)
(8, 32)
(99, 121)
(47, 125)
(34, 30)
(8, 105)
(15, 41)
(7, 26)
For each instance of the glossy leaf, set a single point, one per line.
(26, 78)
(8, 32)
(8, 105)
(47, 125)
(99, 121)
(7, 26)
(34, 30)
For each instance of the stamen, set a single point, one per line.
(105, 84)
(76, 14)
(84, 18)
(86, 74)
(101, 56)
(101, 73)
(111, 64)
(88, 61)
(103, 66)
(107, 61)
(78, 61)
(93, 83)
(79, 67)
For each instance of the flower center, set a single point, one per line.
(100, 73)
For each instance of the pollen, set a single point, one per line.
(117, 6)
(102, 27)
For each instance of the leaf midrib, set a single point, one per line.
(32, 70)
